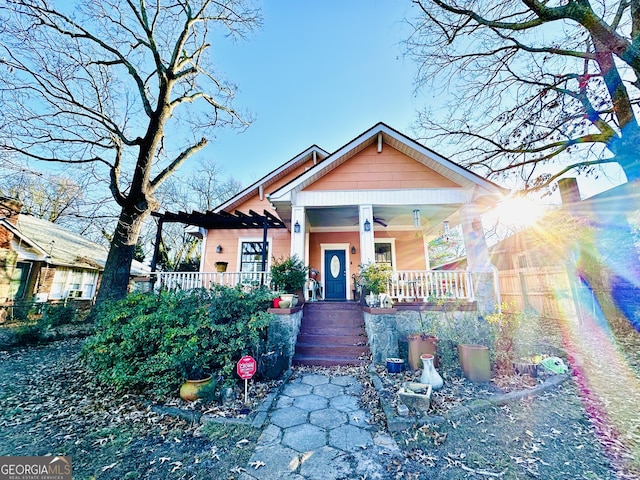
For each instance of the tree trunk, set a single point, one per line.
(115, 280)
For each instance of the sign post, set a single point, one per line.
(246, 368)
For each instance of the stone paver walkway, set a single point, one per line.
(317, 430)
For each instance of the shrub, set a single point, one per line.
(375, 277)
(505, 325)
(31, 332)
(60, 314)
(154, 342)
(288, 274)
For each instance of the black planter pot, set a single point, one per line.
(271, 365)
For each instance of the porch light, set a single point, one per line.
(367, 226)
(219, 249)
(296, 227)
(416, 218)
(353, 250)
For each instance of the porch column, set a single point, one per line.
(367, 246)
(478, 262)
(298, 218)
(474, 241)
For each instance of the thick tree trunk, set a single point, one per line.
(115, 280)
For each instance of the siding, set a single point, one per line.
(370, 170)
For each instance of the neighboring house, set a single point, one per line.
(380, 198)
(42, 261)
(546, 269)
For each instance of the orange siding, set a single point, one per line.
(258, 205)
(370, 170)
(228, 240)
(409, 249)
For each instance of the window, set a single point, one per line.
(383, 252)
(77, 283)
(251, 256)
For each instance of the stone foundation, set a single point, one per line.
(283, 330)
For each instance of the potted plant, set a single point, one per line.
(288, 275)
(198, 384)
(375, 278)
(423, 341)
(221, 266)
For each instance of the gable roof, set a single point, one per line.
(385, 134)
(313, 152)
(62, 247)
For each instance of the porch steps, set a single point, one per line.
(331, 333)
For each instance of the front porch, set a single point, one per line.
(421, 286)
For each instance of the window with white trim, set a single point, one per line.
(251, 256)
(384, 252)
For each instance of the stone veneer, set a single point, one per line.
(386, 326)
(283, 330)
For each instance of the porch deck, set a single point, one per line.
(404, 286)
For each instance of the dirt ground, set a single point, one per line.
(50, 405)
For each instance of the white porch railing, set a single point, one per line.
(189, 280)
(430, 285)
(405, 285)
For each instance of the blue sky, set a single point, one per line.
(322, 72)
(318, 72)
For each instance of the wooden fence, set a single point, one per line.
(545, 290)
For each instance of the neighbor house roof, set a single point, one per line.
(59, 246)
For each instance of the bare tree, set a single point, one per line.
(538, 88)
(203, 189)
(118, 85)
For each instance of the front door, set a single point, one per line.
(335, 281)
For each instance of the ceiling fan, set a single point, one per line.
(377, 220)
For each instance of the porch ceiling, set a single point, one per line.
(396, 217)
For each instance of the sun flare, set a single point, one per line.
(519, 212)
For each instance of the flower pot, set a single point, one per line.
(221, 266)
(292, 298)
(430, 375)
(420, 344)
(395, 365)
(271, 365)
(416, 396)
(194, 389)
(474, 360)
(526, 368)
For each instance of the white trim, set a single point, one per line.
(392, 241)
(336, 246)
(424, 196)
(253, 239)
(411, 148)
(270, 177)
(203, 247)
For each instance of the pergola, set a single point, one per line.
(219, 221)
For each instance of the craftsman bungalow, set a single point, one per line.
(380, 198)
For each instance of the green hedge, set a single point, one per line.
(152, 342)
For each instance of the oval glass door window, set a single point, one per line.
(335, 266)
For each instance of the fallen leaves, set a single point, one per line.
(257, 464)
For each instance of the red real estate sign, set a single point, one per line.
(246, 367)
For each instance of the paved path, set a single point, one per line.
(317, 430)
